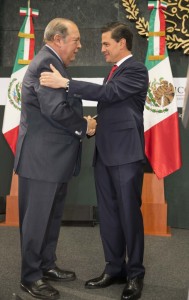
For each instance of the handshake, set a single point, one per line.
(91, 125)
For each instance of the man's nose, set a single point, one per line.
(103, 49)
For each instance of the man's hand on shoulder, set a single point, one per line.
(53, 79)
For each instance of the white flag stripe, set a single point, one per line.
(26, 48)
(12, 115)
(23, 10)
(13, 119)
(151, 118)
(35, 13)
(27, 25)
(156, 38)
(13, 105)
(27, 41)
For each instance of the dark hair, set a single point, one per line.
(119, 31)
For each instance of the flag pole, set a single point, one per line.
(25, 53)
(157, 111)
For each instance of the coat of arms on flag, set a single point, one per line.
(24, 55)
(162, 138)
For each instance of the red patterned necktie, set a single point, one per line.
(112, 71)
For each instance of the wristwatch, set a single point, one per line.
(67, 85)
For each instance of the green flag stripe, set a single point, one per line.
(19, 55)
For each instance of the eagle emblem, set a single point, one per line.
(14, 93)
(160, 94)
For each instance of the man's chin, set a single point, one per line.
(72, 59)
(107, 59)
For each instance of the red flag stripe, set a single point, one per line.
(32, 41)
(11, 138)
(162, 146)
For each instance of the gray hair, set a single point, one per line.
(56, 26)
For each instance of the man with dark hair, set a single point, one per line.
(118, 158)
(47, 156)
(119, 31)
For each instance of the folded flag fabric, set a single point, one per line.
(162, 137)
(24, 55)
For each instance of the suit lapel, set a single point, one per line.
(124, 65)
(121, 67)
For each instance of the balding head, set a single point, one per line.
(63, 36)
(57, 26)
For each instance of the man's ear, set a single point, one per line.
(57, 39)
(123, 43)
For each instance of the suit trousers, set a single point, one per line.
(40, 213)
(118, 191)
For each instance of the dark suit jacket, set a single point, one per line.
(51, 126)
(120, 131)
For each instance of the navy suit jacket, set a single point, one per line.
(120, 130)
(51, 127)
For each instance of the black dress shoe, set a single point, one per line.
(103, 281)
(57, 274)
(133, 289)
(40, 289)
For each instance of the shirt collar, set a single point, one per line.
(123, 59)
(53, 51)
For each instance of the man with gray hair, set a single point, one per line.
(48, 154)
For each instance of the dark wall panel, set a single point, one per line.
(6, 161)
(90, 17)
(177, 186)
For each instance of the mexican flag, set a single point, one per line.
(162, 138)
(24, 55)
